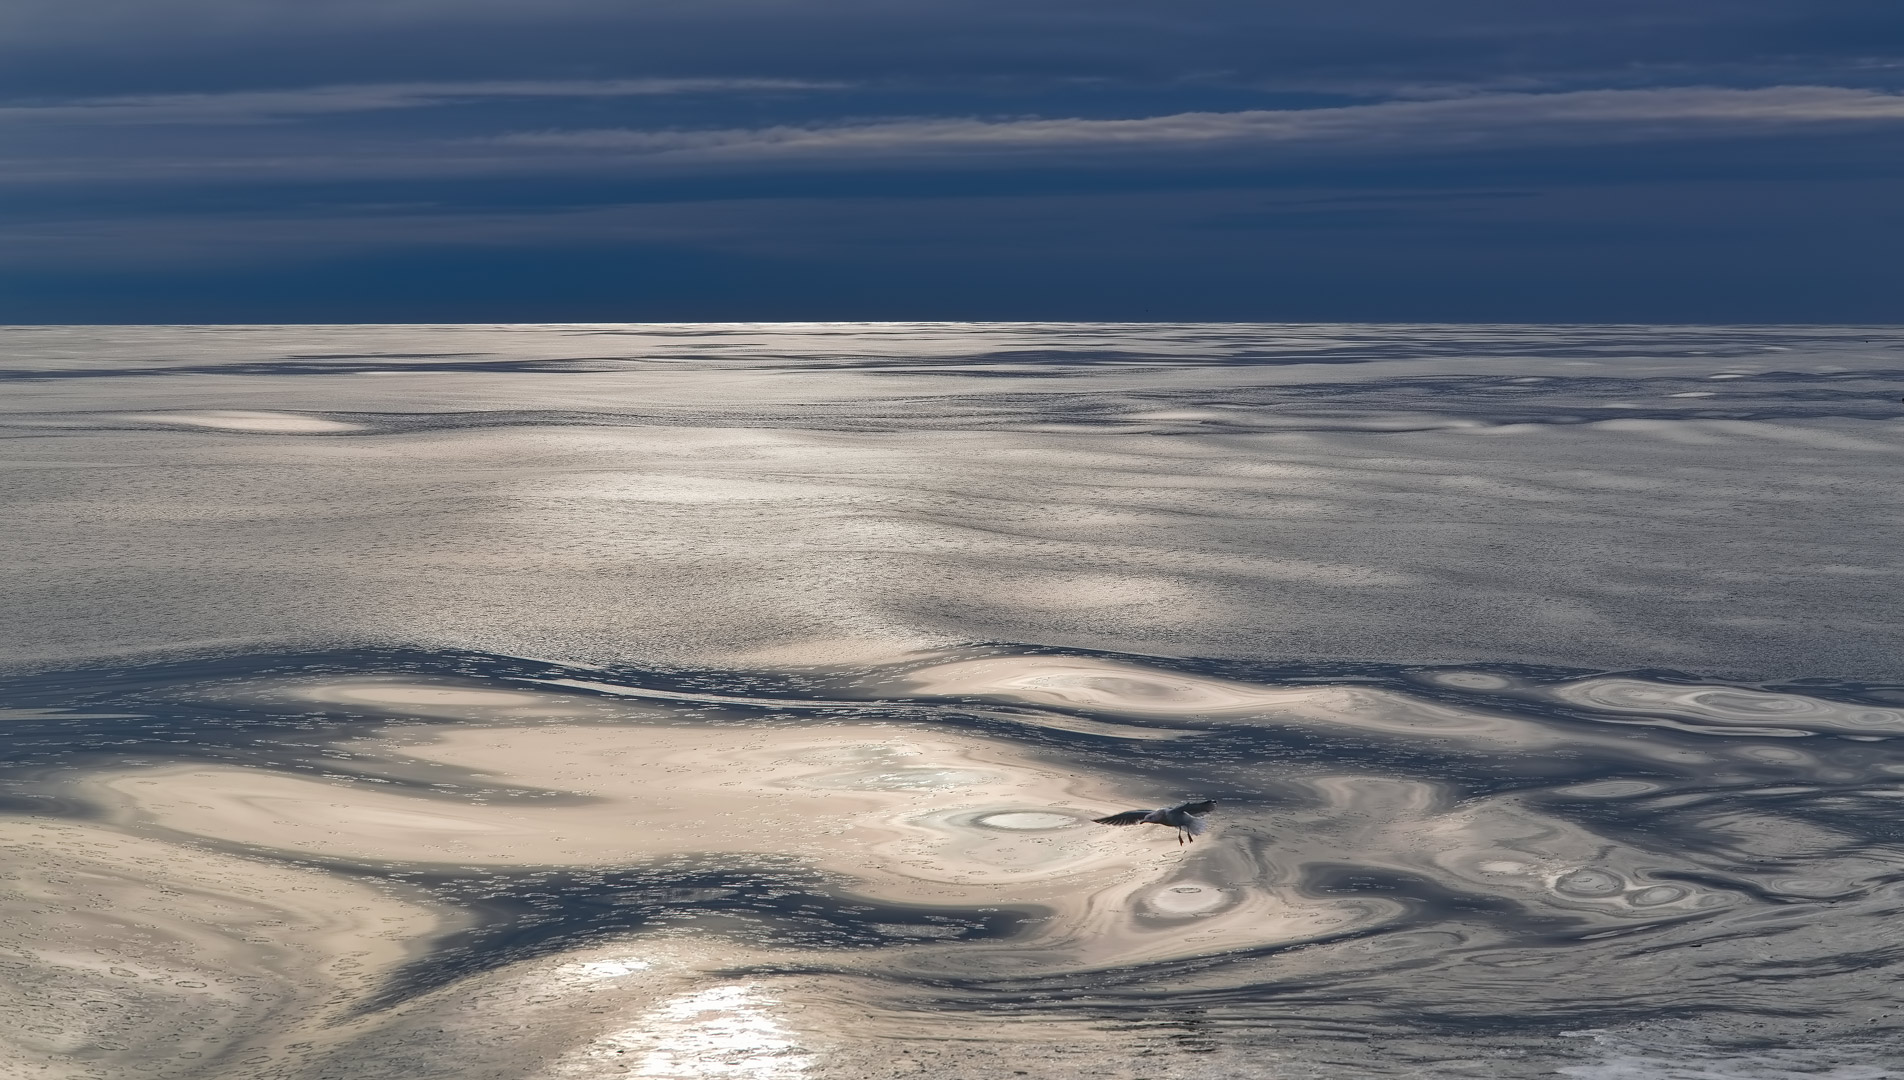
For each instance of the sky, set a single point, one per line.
(657, 160)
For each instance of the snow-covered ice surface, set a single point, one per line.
(731, 701)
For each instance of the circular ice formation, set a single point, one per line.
(1721, 710)
(1470, 680)
(1593, 883)
(1025, 820)
(1504, 866)
(1656, 895)
(1611, 789)
(1778, 755)
(1185, 898)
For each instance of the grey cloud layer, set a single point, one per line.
(1718, 138)
(585, 80)
(1187, 140)
(1600, 115)
(255, 105)
(106, 46)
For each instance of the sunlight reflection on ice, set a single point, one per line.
(723, 1031)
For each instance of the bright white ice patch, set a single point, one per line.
(267, 423)
(724, 1031)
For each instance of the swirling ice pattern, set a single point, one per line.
(1725, 710)
(409, 865)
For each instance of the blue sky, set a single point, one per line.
(501, 160)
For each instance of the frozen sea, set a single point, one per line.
(694, 701)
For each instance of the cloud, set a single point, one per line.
(253, 106)
(102, 47)
(271, 132)
(1475, 121)
(1180, 142)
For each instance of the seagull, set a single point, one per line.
(1186, 818)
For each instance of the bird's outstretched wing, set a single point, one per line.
(1128, 817)
(1197, 809)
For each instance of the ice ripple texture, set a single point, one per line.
(1697, 499)
(733, 701)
